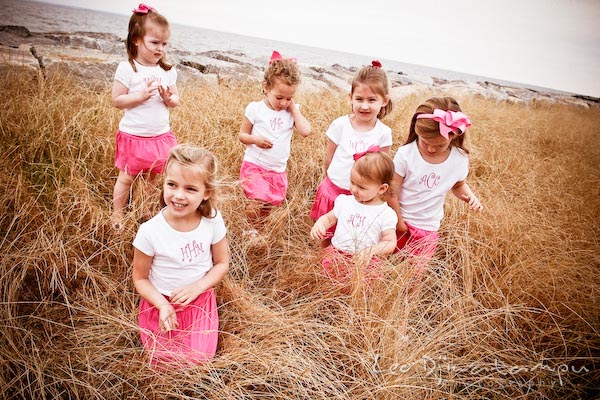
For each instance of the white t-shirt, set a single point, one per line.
(425, 185)
(360, 225)
(180, 258)
(277, 127)
(349, 142)
(151, 118)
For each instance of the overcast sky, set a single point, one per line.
(548, 43)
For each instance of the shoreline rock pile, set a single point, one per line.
(94, 56)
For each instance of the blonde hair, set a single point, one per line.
(137, 30)
(204, 162)
(285, 70)
(376, 79)
(377, 167)
(428, 128)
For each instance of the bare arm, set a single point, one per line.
(300, 122)
(329, 150)
(145, 288)
(220, 255)
(122, 99)
(463, 192)
(393, 202)
(248, 138)
(320, 227)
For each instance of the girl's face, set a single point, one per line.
(280, 95)
(433, 147)
(365, 190)
(366, 104)
(153, 46)
(184, 190)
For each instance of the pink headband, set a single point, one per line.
(143, 9)
(372, 149)
(450, 121)
(277, 56)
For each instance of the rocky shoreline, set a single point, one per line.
(94, 56)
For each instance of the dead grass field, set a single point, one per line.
(510, 309)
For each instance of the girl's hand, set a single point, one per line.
(148, 91)
(167, 95)
(186, 294)
(318, 231)
(262, 142)
(167, 318)
(401, 227)
(291, 107)
(473, 201)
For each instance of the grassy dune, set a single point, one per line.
(510, 309)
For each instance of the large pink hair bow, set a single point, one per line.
(450, 121)
(372, 149)
(277, 56)
(143, 9)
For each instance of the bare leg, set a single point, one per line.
(120, 197)
(257, 212)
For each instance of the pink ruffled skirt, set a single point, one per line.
(193, 342)
(327, 192)
(137, 154)
(263, 185)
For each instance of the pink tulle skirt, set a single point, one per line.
(327, 192)
(263, 185)
(193, 342)
(136, 154)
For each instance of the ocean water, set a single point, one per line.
(45, 17)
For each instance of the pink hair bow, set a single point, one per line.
(376, 63)
(450, 121)
(277, 56)
(143, 9)
(372, 149)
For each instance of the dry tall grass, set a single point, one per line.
(510, 309)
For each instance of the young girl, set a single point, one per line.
(266, 131)
(432, 162)
(365, 226)
(179, 256)
(354, 133)
(144, 87)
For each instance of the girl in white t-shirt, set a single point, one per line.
(432, 162)
(365, 226)
(144, 87)
(179, 256)
(266, 130)
(354, 133)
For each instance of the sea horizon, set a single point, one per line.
(48, 17)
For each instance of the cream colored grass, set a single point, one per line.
(510, 303)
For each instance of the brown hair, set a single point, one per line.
(137, 30)
(428, 128)
(377, 167)
(375, 78)
(285, 70)
(204, 162)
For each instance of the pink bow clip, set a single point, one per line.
(277, 56)
(376, 63)
(372, 149)
(450, 121)
(143, 9)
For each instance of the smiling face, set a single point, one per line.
(153, 46)
(184, 190)
(280, 95)
(366, 104)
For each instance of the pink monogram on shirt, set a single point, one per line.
(430, 181)
(356, 220)
(276, 123)
(191, 250)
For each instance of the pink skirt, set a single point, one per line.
(327, 192)
(263, 185)
(136, 154)
(339, 267)
(418, 243)
(193, 342)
